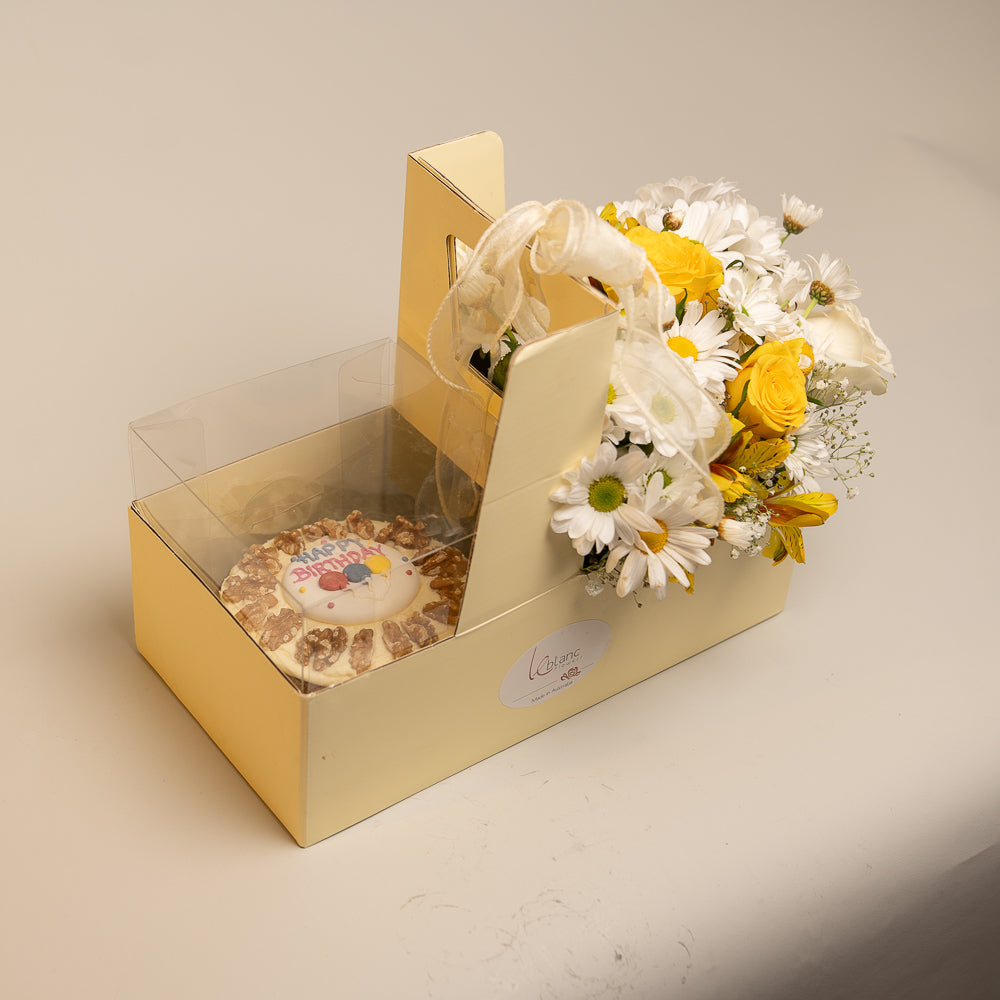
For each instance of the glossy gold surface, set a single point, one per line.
(326, 760)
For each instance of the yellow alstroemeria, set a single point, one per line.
(610, 214)
(763, 456)
(736, 425)
(741, 437)
(802, 510)
(744, 458)
(785, 541)
(732, 484)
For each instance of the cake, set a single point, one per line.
(333, 599)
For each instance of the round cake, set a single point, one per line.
(333, 599)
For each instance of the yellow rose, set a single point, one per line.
(683, 265)
(769, 393)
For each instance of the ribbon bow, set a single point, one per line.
(498, 290)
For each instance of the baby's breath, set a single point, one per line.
(839, 405)
(751, 512)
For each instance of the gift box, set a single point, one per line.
(518, 646)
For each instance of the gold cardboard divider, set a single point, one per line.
(455, 191)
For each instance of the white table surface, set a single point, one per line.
(197, 192)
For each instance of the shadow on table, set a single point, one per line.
(944, 947)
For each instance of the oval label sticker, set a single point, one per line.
(555, 663)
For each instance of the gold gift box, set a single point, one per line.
(530, 648)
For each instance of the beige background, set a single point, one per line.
(198, 192)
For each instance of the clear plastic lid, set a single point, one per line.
(321, 507)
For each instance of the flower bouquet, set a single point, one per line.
(737, 378)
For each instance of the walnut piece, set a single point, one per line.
(444, 612)
(280, 628)
(321, 647)
(448, 587)
(360, 525)
(254, 613)
(262, 555)
(444, 562)
(331, 528)
(404, 533)
(395, 639)
(245, 588)
(290, 542)
(419, 629)
(361, 650)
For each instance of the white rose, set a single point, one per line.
(842, 336)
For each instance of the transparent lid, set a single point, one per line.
(321, 507)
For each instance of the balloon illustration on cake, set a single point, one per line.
(350, 581)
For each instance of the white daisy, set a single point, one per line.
(700, 339)
(671, 479)
(810, 456)
(797, 216)
(657, 402)
(711, 224)
(760, 238)
(671, 550)
(831, 281)
(667, 206)
(687, 189)
(791, 287)
(648, 213)
(715, 215)
(593, 508)
(753, 303)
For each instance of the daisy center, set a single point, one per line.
(792, 226)
(663, 408)
(606, 494)
(683, 347)
(655, 539)
(821, 292)
(612, 395)
(672, 222)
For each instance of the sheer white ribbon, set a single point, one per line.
(497, 290)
